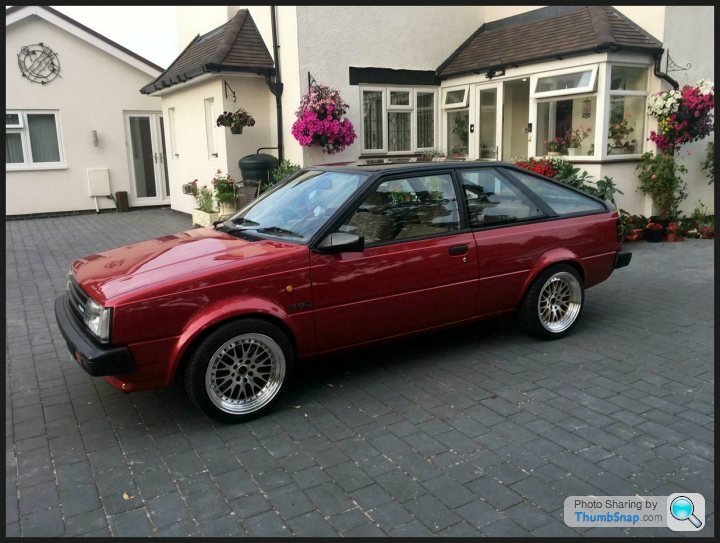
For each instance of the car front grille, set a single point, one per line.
(77, 299)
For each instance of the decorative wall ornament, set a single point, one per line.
(38, 63)
(587, 108)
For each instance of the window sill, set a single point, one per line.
(34, 167)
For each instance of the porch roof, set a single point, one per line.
(548, 33)
(235, 46)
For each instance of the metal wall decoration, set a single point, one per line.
(671, 66)
(38, 63)
(228, 87)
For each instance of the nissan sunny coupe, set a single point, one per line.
(331, 259)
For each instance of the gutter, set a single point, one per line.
(277, 87)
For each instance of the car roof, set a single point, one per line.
(395, 166)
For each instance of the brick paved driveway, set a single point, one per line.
(481, 430)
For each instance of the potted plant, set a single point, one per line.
(575, 139)
(672, 230)
(654, 232)
(320, 120)
(235, 121)
(618, 131)
(556, 146)
(224, 187)
(707, 232)
(204, 214)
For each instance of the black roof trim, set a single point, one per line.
(389, 76)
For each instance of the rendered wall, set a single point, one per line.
(93, 91)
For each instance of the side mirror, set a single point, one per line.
(339, 242)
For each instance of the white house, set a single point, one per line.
(75, 124)
(486, 82)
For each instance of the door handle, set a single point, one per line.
(458, 250)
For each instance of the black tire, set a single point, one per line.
(241, 371)
(530, 313)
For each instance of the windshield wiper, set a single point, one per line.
(278, 230)
(243, 220)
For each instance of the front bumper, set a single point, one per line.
(93, 358)
(622, 259)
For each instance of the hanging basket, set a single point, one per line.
(236, 129)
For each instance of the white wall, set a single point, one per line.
(682, 23)
(188, 100)
(333, 38)
(93, 91)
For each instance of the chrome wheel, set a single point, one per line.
(559, 302)
(245, 373)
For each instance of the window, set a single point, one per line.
(455, 97)
(562, 200)
(492, 200)
(626, 112)
(458, 132)
(574, 81)
(32, 140)
(398, 120)
(566, 126)
(173, 141)
(210, 127)
(406, 208)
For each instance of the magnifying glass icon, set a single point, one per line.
(682, 508)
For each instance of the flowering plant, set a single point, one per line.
(683, 116)
(235, 120)
(321, 120)
(224, 187)
(707, 232)
(654, 226)
(203, 197)
(673, 228)
(576, 136)
(556, 145)
(619, 130)
(660, 178)
(543, 166)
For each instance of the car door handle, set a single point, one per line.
(458, 250)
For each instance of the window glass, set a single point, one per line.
(458, 131)
(13, 148)
(12, 119)
(455, 97)
(406, 208)
(398, 130)
(425, 120)
(564, 82)
(625, 129)
(43, 137)
(493, 200)
(566, 126)
(399, 98)
(562, 200)
(372, 119)
(630, 78)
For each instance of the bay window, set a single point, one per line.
(398, 120)
(626, 111)
(566, 126)
(32, 140)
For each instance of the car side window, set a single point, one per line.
(563, 201)
(406, 208)
(493, 200)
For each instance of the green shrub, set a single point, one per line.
(659, 177)
(283, 170)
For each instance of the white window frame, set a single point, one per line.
(459, 105)
(589, 88)
(20, 119)
(24, 130)
(606, 116)
(411, 109)
(570, 158)
(171, 129)
(210, 127)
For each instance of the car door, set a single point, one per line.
(418, 270)
(498, 213)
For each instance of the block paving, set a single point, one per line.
(477, 431)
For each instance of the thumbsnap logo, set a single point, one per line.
(686, 512)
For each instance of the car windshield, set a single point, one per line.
(296, 209)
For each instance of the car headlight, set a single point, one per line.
(97, 319)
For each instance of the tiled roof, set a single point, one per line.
(236, 46)
(547, 33)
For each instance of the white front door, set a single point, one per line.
(489, 121)
(145, 141)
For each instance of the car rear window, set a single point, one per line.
(563, 201)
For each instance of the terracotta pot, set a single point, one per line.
(670, 236)
(632, 237)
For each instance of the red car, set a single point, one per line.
(332, 259)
